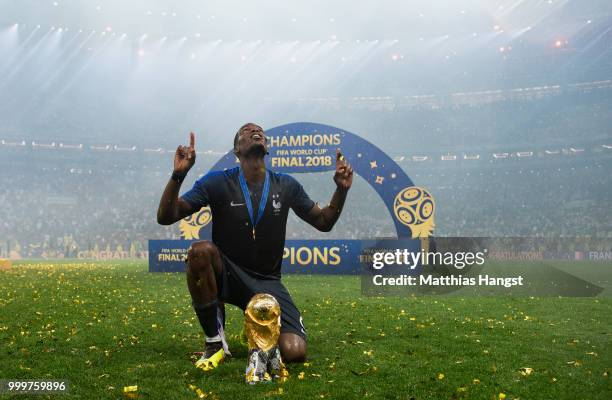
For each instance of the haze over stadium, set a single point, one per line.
(496, 106)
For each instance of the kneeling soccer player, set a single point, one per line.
(250, 205)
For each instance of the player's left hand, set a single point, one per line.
(344, 172)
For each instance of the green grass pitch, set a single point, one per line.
(103, 326)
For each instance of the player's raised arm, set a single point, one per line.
(324, 218)
(171, 207)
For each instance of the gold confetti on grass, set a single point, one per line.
(440, 376)
(277, 392)
(200, 393)
(131, 392)
(367, 371)
(526, 371)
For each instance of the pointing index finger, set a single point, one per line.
(191, 140)
(339, 156)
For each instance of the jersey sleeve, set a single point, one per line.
(299, 200)
(198, 196)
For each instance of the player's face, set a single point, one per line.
(252, 140)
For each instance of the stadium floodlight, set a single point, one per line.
(119, 148)
(43, 145)
(448, 157)
(471, 156)
(607, 146)
(523, 154)
(500, 155)
(552, 152)
(575, 150)
(70, 146)
(420, 158)
(13, 144)
(100, 147)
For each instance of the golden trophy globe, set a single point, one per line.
(262, 322)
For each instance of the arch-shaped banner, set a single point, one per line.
(310, 147)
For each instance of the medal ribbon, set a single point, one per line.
(247, 198)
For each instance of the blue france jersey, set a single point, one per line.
(232, 230)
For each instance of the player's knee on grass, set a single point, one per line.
(292, 347)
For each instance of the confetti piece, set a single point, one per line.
(476, 381)
(502, 396)
(199, 392)
(440, 376)
(526, 371)
(367, 371)
(301, 375)
(131, 392)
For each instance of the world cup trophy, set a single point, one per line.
(262, 326)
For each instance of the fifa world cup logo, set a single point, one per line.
(414, 207)
(190, 226)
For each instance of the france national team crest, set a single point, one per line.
(276, 204)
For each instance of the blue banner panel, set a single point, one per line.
(322, 257)
(300, 256)
(168, 255)
(311, 147)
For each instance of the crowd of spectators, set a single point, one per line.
(51, 211)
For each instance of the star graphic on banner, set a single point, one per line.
(379, 179)
(373, 164)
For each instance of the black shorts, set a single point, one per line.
(237, 287)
